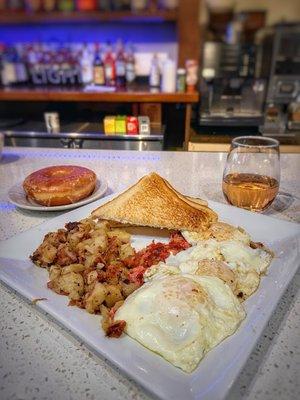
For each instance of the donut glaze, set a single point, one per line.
(59, 185)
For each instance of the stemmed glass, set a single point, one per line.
(252, 172)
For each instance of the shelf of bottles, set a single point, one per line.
(57, 11)
(68, 64)
(82, 71)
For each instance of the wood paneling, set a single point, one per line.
(64, 94)
(188, 31)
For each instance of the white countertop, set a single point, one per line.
(41, 360)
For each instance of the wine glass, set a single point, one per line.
(252, 172)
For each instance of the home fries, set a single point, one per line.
(179, 298)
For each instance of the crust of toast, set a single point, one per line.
(153, 202)
(193, 201)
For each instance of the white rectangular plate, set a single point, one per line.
(217, 372)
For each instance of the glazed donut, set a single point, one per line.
(59, 185)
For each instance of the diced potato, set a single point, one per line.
(96, 244)
(128, 288)
(72, 268)
(106, 320)
(96, 298)
(113, 294)
(125, 251)
(122, 235)
(72, 284)
(91, 277)
(54, 272)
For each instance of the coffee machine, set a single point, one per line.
(231, 93)
(282, 110)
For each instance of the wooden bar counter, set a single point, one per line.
(221, 143)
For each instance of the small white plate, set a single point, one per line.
(18, 197)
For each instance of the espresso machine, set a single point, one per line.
(282, 110)
(231, 93)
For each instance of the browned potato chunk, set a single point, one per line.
(125, 251)
(128, 288)
(54, 272)
(123, 236)
(113, 294)
(72, 284)
(95, 298)
(72, 268)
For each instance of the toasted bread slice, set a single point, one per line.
(193, 201)
(196, 201)
(153, 202)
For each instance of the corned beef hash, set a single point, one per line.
(94, 264)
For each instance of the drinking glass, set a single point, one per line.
(252, 172)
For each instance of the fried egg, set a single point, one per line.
(245, 263)
(181, 316)
(219, 231)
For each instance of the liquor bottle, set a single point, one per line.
(14, 5)
(49, 5)
(86, 5)
(104, 5)
(120, 66)
(21, 71)
(154, 77)
(65, 5)
(109, 67)
(33, 5)
(2, 9)
(130, 65)
(86, 67)
(65, 68)
(99, 78)
(8, 73)
(138, 5)
(48, 57)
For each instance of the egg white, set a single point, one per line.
(247, 264)
(181, 317)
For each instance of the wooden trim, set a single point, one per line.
(187, 126)
(224, 147)
(56, 17)
(188, 31)
(61, 94)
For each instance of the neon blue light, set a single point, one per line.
(5, 206)
(81, 154)
(136, 33)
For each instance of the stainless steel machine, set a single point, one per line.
(282, 110)
(231, 92)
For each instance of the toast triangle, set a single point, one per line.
(153, 202)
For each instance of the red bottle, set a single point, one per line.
(109, 67)
(86, 5)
